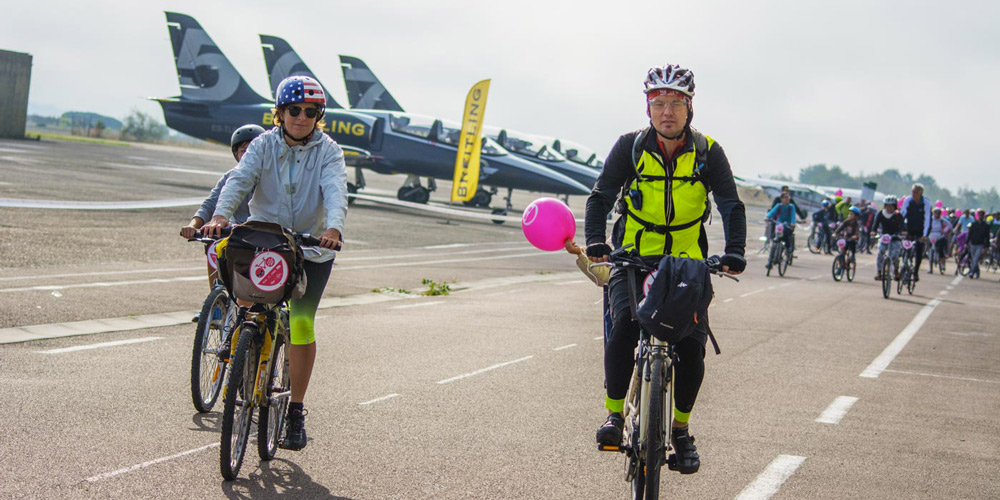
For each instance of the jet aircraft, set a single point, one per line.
(422, 146)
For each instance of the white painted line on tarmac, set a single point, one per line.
(484, 370)
(893, 349)
(971, 334)
(102, 284)
(818, 276)
(769, 481)
(104, 273)
(837, 409)
(599, 338)
(950, 287)
(421, 304)
(943, 292)
(410, 255)
(952, 377)
(753, 292)
(99, 205)
(572, 282)
(564, 347)
(957, 279)
(99, 345)
(143, 465)
(727, 300)
(379, 400)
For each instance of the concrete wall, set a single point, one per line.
(15, 79)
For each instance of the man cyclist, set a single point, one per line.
(916, 211)
(661, 217)
(785, 213)
(239, 143)
(888, 221)
(777, 199)
(940, 230)
(300, 182)
(979, 238)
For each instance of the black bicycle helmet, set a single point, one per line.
(243, 134)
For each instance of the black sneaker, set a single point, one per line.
(685, 458)
(196, 318)
(295, 430)
(610, 434)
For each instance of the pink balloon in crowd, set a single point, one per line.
(547, 223)
(939, 204)
(840, 192)
(899, 203)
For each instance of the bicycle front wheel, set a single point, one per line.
(852, 267)
(838, 268)
(783, 258)
(656, 431)
(886, 277)
(813, 242)
(207, 369)
(237, 413)
(271, 419)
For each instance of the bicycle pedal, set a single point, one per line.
(672, 462)
(604, 447)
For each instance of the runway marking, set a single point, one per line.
(169, 169)
(564, 347)
(99, 345)
(599, 338)
(422, 304)
(99, 205)
(957, 279)
(952, 377)
(410, 255)
(143, 465)
(950, 287)
(497, 294)
(769, 481)
(460, 245)
(753, 292)
(572, 282)
(971, 334)
(104, 273)
(101, 284)
(837, 409)
(893, 349)
(818, 276)
(379, 400)
(943, 292)
(483, 370)
(727, 300)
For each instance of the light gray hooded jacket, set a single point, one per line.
(303, 188)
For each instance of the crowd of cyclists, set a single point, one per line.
(966, 235)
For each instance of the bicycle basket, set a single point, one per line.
(261, 263)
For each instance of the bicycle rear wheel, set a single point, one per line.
(237, 414)
(271, 419)
(852, 267)
(656, 429)
(904, 275)
(207, 369)
(838, 268)
(772, 258)
(886, 277)
(813, 242)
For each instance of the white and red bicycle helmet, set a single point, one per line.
(670, 77)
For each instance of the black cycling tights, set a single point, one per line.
(619, 352)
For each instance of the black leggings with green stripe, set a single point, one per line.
(302, 311)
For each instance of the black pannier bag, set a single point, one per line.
(261, 263)
(677, 299)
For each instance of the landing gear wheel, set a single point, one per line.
(414, 194)
(351, 189)
(500, 212)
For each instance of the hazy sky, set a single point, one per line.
(781, 84)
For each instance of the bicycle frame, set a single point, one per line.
(637, 397)
(265, 318)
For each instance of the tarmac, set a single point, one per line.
(823, 390)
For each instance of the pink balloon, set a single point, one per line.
(899, 203)
(840, 192)
(547, 223)
(939, 204)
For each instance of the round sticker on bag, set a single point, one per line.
(886, 239)
(212, 256)
(907, 244)
(648, 282)
(268, 271)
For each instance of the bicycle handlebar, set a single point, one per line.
(623, 258)
(305, 239)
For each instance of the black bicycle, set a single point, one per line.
(780, 255)
(844, 263)
(649, 403)
(210, 353)
(906, 268)
(884, 253)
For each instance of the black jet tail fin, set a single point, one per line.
(364, 90)
(283, 62)
(203, 71)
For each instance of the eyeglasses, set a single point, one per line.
(310, 112)
(675, 105)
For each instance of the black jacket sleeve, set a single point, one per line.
(617, 171)
(719, 177)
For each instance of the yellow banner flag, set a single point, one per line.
(469, 144)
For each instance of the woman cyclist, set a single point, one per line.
(300, 182)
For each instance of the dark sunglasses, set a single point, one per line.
(310, 112)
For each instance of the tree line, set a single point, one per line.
(895, 182)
